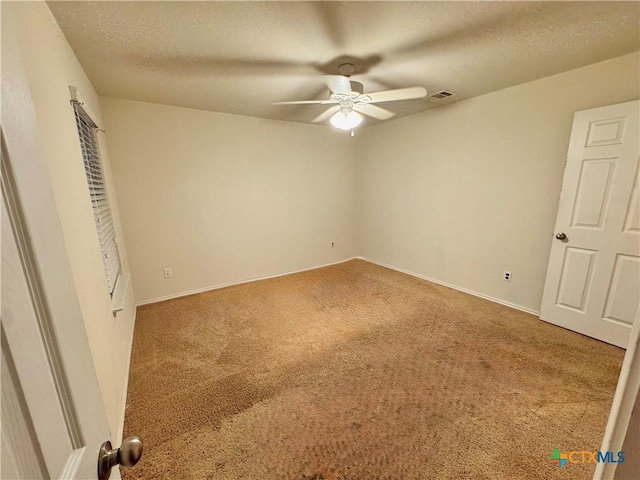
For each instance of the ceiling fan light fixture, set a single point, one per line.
(346, 120)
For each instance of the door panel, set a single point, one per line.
(606, 132)
(576, 278)
(624, 291)
(593, 278)
(34, 387)
(632, 222)
(21, 453)
(592, 199)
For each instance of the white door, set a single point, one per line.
(53, 418)
(593, 277)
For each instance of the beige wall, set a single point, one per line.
(463, 192)
(457, 194)
(223, 198)
(51, 67)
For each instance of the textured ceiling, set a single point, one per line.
(237, 57)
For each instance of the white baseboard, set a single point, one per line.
(119, 438)
(230, 284)
(402, 270)
(455, 287)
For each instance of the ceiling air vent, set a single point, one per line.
(441, 95)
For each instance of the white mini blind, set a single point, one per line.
(98, 191)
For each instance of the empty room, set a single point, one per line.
(318, 240)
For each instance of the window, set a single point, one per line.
(98, 191)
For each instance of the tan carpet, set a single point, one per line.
(355, 371)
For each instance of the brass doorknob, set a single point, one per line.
(561, 236)
(127, 455)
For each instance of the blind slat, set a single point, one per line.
(98, 195)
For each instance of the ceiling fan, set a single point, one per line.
(349, 100)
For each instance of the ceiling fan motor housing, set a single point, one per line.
(346, 69)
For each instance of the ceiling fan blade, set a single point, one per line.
(338, 83)
(399, 94)
(304, 102)
(326, 114)
(373, 111)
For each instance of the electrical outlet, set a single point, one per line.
(167, 272)
(507, 276)
(333, 244)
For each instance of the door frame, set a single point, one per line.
(624, 401)
(35, 224)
